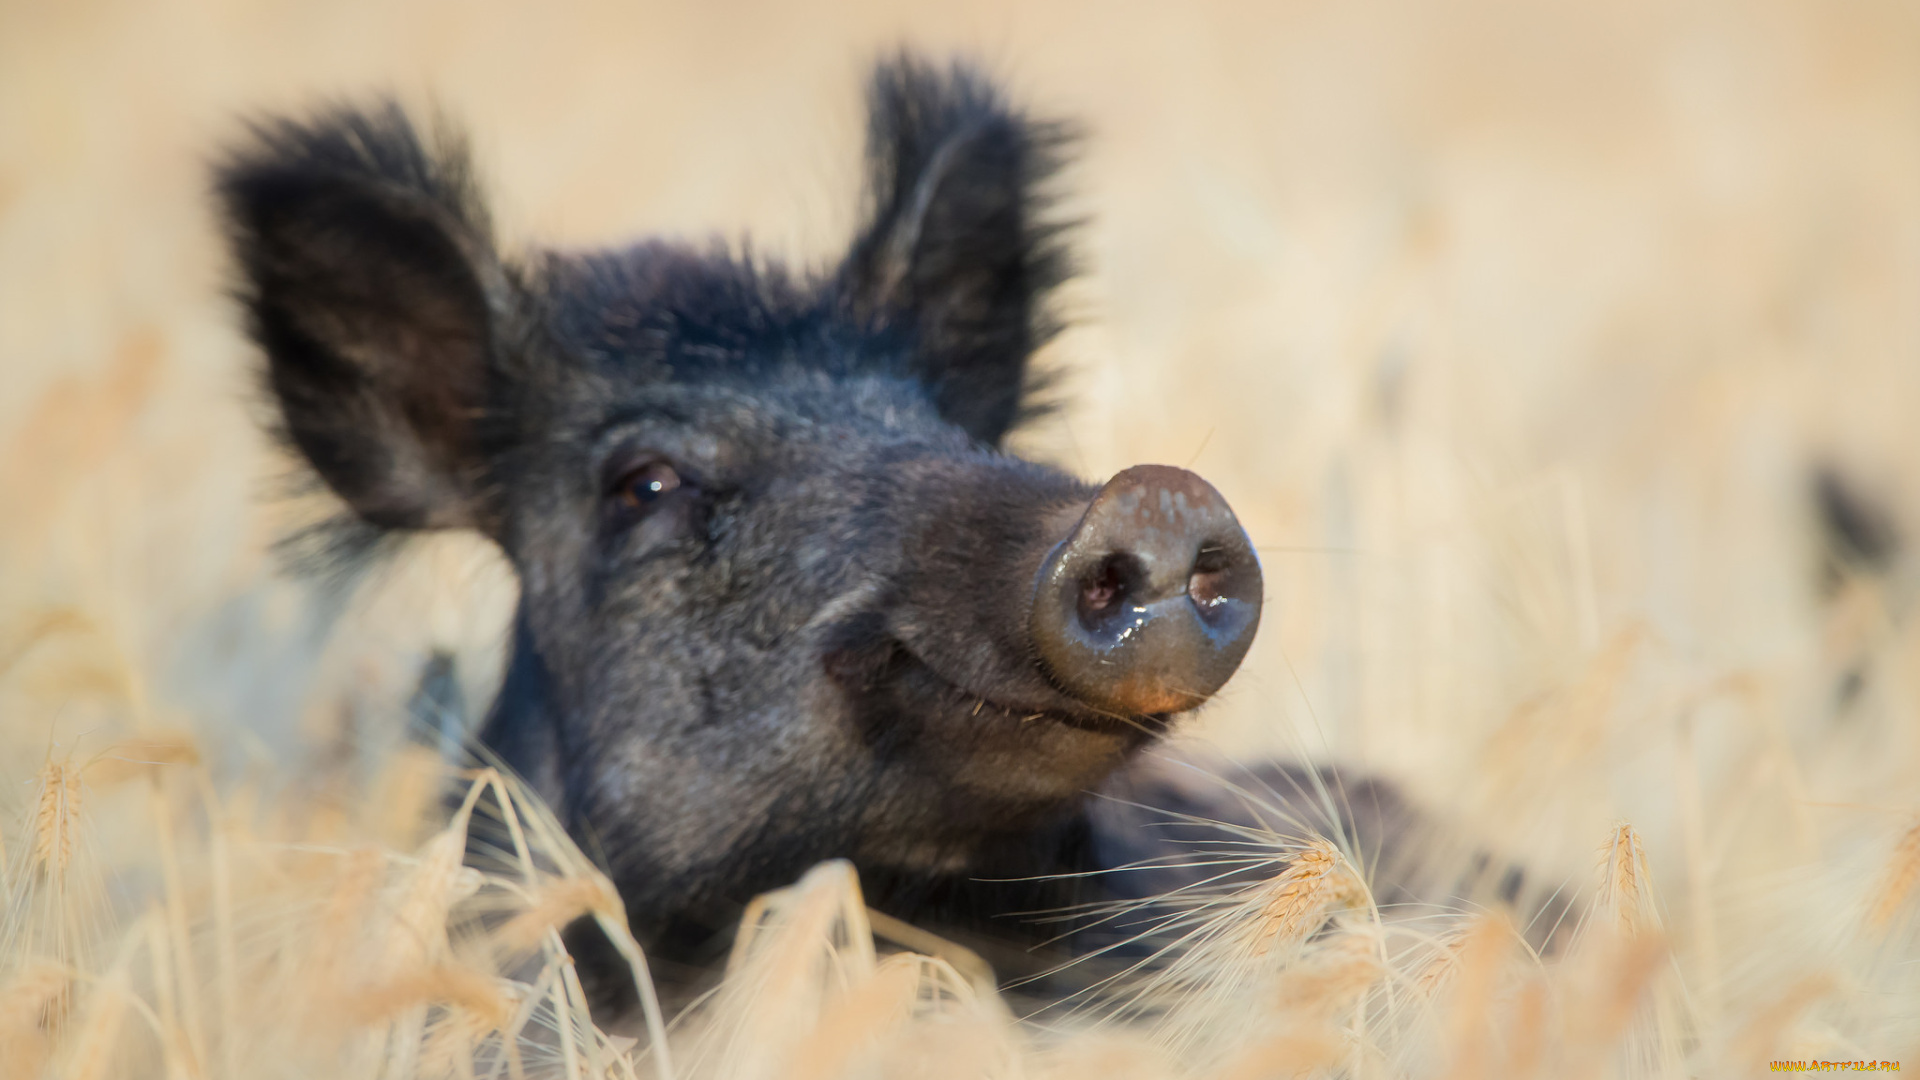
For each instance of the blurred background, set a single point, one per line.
(1521, 336)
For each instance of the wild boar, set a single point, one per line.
(783, 595)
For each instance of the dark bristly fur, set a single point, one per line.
(814, 645)
(368, 268)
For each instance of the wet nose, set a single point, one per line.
(1151, 601)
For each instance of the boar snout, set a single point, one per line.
(1150, 603)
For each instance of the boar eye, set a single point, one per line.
(638, 489)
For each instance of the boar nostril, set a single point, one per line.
(1151, 602)
(1210, 577)
(1105, 591)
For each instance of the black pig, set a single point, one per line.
(783, 597)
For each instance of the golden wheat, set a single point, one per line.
(56, 818)
(1623, 879)
(1903, 870)
(1317, 879)
(1515, 332)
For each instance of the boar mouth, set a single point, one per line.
(1003, 705)
(887, 680)
(984, 704)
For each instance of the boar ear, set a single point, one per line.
(370, 282)
(955, 251)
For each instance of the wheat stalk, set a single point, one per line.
(1902, 873)
(464, 988)
(555, 904)
(131, 758)
(1477, 964)
(98, 1036)
(1338, 976)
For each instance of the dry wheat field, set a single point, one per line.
(1563, 361)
